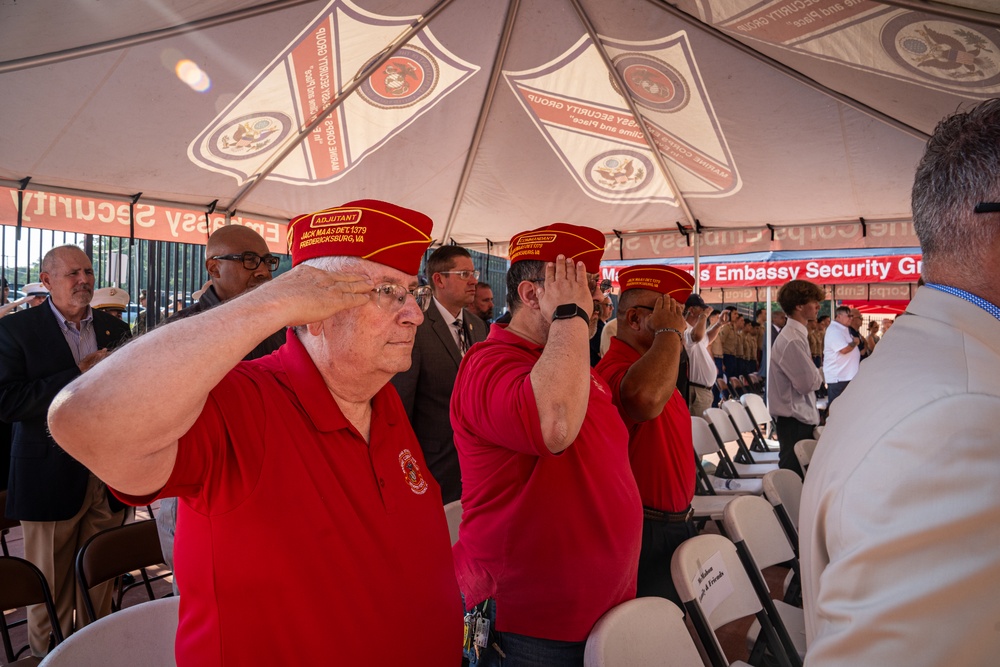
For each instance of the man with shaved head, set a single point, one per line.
(237, 260)
(59, 502)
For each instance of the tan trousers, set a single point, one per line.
(701, 400)
(52, 547)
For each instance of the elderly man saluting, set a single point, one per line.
(308, 443)
(551, 526)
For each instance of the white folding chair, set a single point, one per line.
(715, 590)
(761, 417)
(644, 632)
(139, 635)
(453, 513)
(804, 452)
(727, 437)
(744, 426)
(761, 543)
(705, 444)
(783, 489)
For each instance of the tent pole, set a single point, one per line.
(616, 75)
(143, 38)
(292, 142)
(767, 342)
(697, 262)
(788, 71)
(484, 112)
(947, 11)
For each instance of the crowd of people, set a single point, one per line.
(343, 403)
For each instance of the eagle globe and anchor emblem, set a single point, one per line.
(409, 76)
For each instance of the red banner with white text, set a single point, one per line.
(88, 215)
(833, 271)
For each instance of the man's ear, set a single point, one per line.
(212, 266)
(632, 319)
(45, 279)
(528, 292)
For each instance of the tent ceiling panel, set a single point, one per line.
(746, 143)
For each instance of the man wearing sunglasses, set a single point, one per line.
(308, 445)
(237, 260)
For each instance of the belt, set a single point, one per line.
(700, 386)
(668, 517)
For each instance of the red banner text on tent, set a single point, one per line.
(86, 215)
(886, 269)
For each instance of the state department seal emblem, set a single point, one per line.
(943, 51)
(411, 472)
(406, 78)
(619, 171)
(248, 136)
(653, 83)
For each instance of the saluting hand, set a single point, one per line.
(667, 314)
(312, 295)
(565, 282)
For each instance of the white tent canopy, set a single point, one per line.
(775, 124)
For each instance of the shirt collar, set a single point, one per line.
(314, 396)
(990, 308)
(446, 316)
(62, 319)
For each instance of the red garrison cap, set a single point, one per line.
(668, 280)
(367, 228)
(545, 243)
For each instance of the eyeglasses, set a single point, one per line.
(252, 260)
(392, 297)
(987, 207)
(464, 275)
(641, 306)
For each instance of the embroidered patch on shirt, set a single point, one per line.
(411, 471)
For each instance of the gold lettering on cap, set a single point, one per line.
(536, 238)
(347, 216)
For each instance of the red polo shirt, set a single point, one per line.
(297, 542)
(661, 450)
(554, 539)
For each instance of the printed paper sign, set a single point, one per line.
(588, 124)
(306, 79)
(713, 584)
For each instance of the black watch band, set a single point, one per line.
(568, 311)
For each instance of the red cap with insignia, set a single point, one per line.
(675, 283)
(367, 228)
(545, 243)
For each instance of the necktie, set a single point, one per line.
(463, 339)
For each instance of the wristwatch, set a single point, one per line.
(568, 311)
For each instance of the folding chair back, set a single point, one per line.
(804, 452)
(705, 443)
(143, 634)
(758, 410)
(715, 589)
(453, 513)
(644, 632)
(22, 584)
(783, 489)
(5, 524)
(761, 543)
(114, 552)
(740, 419)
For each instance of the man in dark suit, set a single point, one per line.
(59, 503)
(447, 332)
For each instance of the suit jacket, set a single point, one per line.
(426, 393)
(900, 514)
(45, 483)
